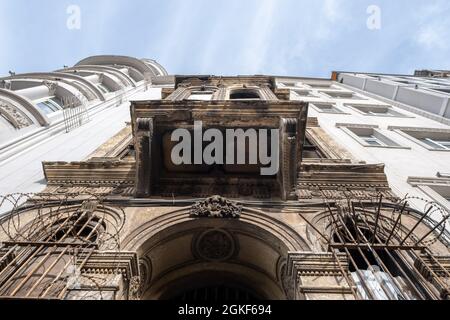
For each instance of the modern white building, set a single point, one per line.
(400, 121)
(61, 115)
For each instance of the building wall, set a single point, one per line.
(409, 159)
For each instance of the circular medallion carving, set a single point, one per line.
(215, 245)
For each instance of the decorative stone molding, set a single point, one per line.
(17, 118)
(418, 129)
(355, 125)
(289, 156)
(416, 181)
(143, 145)
(5, 84)
(52, 86)
(215, 245)
(216, 207)
(316, 264)
(134, 288)
(319, 274)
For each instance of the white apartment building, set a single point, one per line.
(61, 115)
(409, 134)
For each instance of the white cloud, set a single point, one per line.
(332, 10)
(434, 36)
(258, 36)
(434, 30)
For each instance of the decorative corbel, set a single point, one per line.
(143, 146)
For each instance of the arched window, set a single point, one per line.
(76, 229)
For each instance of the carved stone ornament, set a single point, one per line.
(134, 288)
(215, 245)
(216, 207)
(51, 85)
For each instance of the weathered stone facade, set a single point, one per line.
(125, 224)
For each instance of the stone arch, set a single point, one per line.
(187, 253)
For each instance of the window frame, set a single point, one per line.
(406, 132)
(49, 103)
(316, 107)
(387, 142)
(357, 107)
(427, 185)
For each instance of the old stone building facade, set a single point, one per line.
(127, 223)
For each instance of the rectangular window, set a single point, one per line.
(319, 85)
(326, 107)
(50, 105)
(342, 95)
(201, 95)
(372, 140)
(376, 110)
(431, 139)
(438, 189)
(304, 93)
(369, 136)
(437, 144)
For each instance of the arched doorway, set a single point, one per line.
(214, 259)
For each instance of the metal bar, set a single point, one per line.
(415, 227)
(396, 222)
(49, 244)
(426, 284)
(407, 278)
(369, 293)
(361, 252)
(377, 220)
(63, 292)
(377, 246)
(349, 283)
(65, 250)
(378, 258)
(314, 227)
(432, 230)
(46, 272)
(438, 263)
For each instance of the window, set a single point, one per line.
(326, 108)
(369, 136)
(288, 84)
(431, 139)
(437, 144)
(244, 94)
(304, 93)
(342, 95)
(319, 85)
(201, 95)
(372, 140)
(443, 191)
(438, 189)
(376, 110)
(311, 151)
(50, 105)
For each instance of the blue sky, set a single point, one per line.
(229, 37)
